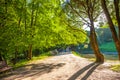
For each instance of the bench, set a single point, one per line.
(4, 67)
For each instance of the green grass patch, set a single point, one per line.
(20, 63)
(42, 56)
(76, 54)
(90, 57)
(24, 62)
(110, 46)
(115, 67)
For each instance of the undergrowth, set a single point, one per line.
(24, 62)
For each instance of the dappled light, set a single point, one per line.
(33, 70)
(63, 67)
(59, 39)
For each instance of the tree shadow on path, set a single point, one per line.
(91, 67)
(31, 70)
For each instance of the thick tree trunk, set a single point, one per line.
(111, 26)
(94, 44)
(117, 10)
(93, 37)
(117, 43)
(30, 52)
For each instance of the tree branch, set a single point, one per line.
(76, 29)
(78, 14)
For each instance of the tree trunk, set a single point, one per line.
(30, 52)
(94, 44)
(31, 34)
(117, 10)
(15, 58)
(93, 37)
(111, 26)
(1, 59)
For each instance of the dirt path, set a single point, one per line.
(64, 67)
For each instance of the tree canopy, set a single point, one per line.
(26, 25)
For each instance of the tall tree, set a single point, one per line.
(116, 37)
(117, 14)
(86, 11)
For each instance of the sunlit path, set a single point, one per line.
(64, 67)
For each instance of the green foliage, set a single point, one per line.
(40, 23)
(42, 56)
(90, 57)
(76, 54)
(24, 62)
(110, 46)
(116, 68)
(104, 35)
(21, 63)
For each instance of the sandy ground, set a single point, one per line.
(64, 67)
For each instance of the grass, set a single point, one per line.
(91, 57)
(115, 67)
(76, 54)
(21, 63)
(42, 56)
(24, 62)
(110, 47)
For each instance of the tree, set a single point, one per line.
(116, 37)
(86, 11)
(27, 25)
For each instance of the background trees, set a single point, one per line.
(116, 37)
(27, 25)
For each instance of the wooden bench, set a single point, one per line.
(4, 67)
